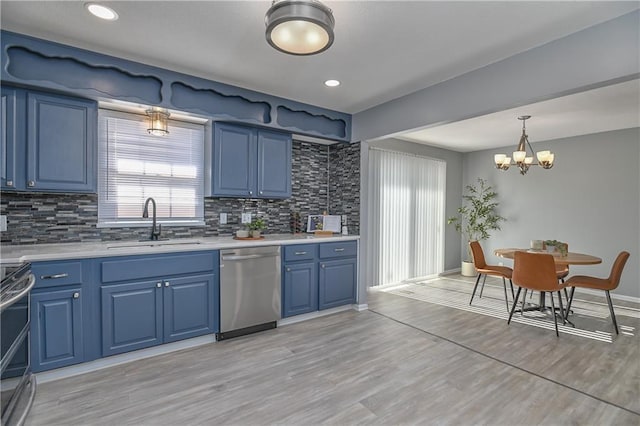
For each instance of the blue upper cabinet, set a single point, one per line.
(274, 164)
(8, 133)
(234, 161)
(250, 163)
(48, 142)
(61, 135)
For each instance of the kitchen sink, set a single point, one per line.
(149, 243)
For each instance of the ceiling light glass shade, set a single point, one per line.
(299, 27)
(102, 12)
(158, 121)
(518, 156)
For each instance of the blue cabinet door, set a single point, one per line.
(9, 137)
(234, 161)
(188, 307)
(56, 329)
(300, 292)
(61, 140)
(274, 164)
(131, 316)
(337, 283)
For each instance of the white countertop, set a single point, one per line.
(44, 252)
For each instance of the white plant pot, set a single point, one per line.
(255, 233)
(468, 270)
(242, 233)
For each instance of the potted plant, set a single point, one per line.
(242, 233)
(256, 226)
(476, 218)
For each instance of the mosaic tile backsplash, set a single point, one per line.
(323, 178)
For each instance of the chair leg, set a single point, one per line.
(524, 298)
(513, 294)
(573, 290)
(513, 308)
(506, 298)
(484, 279)
(613, 316)
(475, 287)
(564, 321)
(553, 309)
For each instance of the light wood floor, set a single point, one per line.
(402, 362)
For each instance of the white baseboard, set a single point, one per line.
(614, 296)
(312, 315)
(361, 307)
(451, 271)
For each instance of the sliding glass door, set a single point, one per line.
(406, 212)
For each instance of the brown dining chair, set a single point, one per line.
(483, 269)
(606, 284)
(536, 272)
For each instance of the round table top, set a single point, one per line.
(569, 259)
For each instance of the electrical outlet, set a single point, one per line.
(3, 223)
(223, 218)
(246, 217)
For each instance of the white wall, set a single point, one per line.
(589, 199)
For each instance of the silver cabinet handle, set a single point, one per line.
(166, 284)
(322, 265)
(9, 183)
(54, 277)
(158, 285)
(338, 249)
(250, 192)
(76, 295)
(300, 253)
(261, 192)
(288, 269)
(31, 184)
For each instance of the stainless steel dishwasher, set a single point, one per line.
(250, 286)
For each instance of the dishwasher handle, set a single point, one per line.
(247, 256)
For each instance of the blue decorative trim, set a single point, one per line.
(212, 102)
(41, 64)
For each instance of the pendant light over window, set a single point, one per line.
(299, 27)
(158, 121)
(520, 157)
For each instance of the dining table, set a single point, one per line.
(561, 261)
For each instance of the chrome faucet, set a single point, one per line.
(145, 214)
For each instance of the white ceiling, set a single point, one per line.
(383, 49)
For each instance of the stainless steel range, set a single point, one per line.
(18, 383)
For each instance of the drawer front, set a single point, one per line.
(142, 267)
(300, 252)
(53, 274)
(340, 249)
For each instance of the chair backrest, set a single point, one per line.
(478, 255)
(616, 269)
(535, 271)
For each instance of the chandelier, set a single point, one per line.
(299, 27)
(520, 158)
(158, 121)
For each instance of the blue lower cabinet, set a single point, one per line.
(300, 291)
(187, 307)
(56, 327)
(131, 316)
(337, 282)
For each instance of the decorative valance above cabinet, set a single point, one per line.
(37, 63)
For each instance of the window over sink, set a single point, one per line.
(134, 165)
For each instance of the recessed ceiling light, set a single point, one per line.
(332, 83)
(102, 12)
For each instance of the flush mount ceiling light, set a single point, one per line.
(158, 121)
(299, 27)
(101, 11)
(332, 83)
(520, 158)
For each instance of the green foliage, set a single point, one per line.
(477, 217)
(257, 224)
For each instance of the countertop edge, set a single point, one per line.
(71, 251)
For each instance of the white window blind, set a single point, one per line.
(406, 205)
(133, 165)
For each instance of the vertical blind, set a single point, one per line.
(406, 204)
(134, 165)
